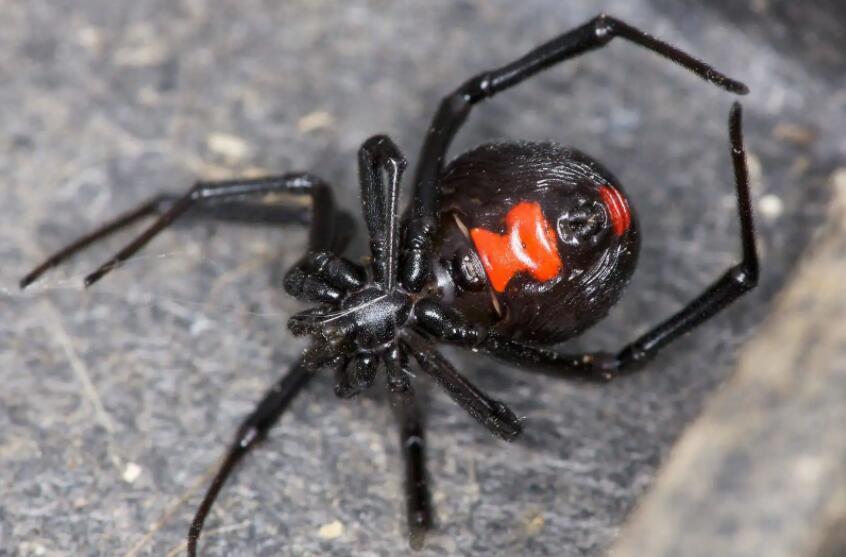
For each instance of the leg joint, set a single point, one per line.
(605, 27)
(744, 275)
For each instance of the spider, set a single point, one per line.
(508, 249)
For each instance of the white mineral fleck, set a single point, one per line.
(331, 531)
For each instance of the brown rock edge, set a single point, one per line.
(763, 469)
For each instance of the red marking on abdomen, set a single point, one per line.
(618, 209)
(528, 244)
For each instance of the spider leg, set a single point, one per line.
(451, 326)
(492, 414)
(736, 281)
(169, 208)
(322, 276)
(252, 430)
(154, 206)
(397, 372)
(413, 447)
(356, 377)
(447, 324)
(379, 159)
(230, 211)
(455, 108)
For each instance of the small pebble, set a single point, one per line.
(131, 472)
(315, 121)
(535, 524)
(770, 206)
(227, 145)
(331, 531)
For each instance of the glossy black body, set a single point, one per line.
(480, 186)
(424, 282)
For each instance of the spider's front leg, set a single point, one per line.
(359, 313)
(456, 107)
(253, 429)
(323, 276)
(227, 200)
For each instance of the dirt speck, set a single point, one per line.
(331, 531)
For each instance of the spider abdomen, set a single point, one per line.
(538, 239)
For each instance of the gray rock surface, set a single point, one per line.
(117, 402)
(761, 471)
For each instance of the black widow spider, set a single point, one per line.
(510, 247)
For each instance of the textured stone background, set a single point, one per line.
(117, 402)
(760, 471)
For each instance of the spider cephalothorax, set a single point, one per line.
(357, 336)
(511, 247)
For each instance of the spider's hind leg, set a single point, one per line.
(454, 109)
(731, 285)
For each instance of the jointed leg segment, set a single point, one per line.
(154, 206)
(252, 430)
(381, 166)
(413, 447)
(491, 413)
(169, 208)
